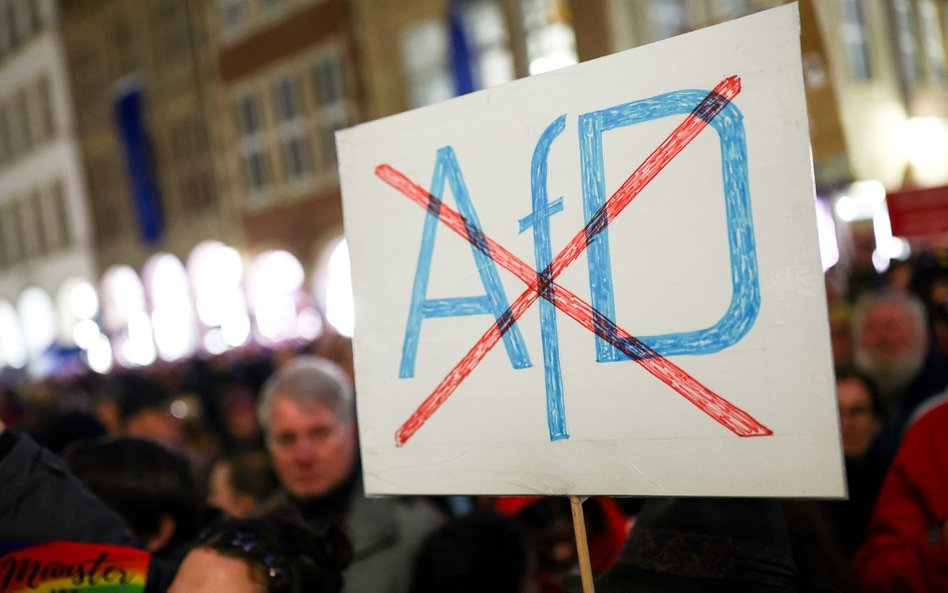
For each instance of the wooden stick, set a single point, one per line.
(582, 546)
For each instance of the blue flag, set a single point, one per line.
(463, 55)
(141, 173)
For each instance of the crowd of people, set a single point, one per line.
(241, 473)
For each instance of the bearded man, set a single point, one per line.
(893, 347)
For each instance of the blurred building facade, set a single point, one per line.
(46, 240)
(205, 127)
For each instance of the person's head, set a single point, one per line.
(841, 332)
(307, 412)
(149, 486)
(705, 545)
(860, 412)
(142, 408)
(479, 552)
(891, 338)
(263, 555)
(240, 482)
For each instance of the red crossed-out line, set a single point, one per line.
(544, 285)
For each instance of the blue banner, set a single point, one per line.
(138, 162)
(463, 55)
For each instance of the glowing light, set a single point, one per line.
(846, 208)
(139, 346)
(180, 409)
(99, 355)
(887, 246)
(826, 230)
(83, 300)
(340, 312)
(235, 328)
(85, 333)
(172, 315)
(276, 278)
(173, 334)
(309, 324)
(12, 345)
(214, 342)
(860, 200)
(923, 142)
(38, 317)
(216, 273)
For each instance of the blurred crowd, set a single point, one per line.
(241, 473)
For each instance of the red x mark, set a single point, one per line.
(544, 284)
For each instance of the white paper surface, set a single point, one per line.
(676, 276)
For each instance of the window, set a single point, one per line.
(58, 219)
(854, 38)
(233, 17)
(192, 165)
(669, 18)
(12, 243)
(550, 40)
(6, 41)
(294, 142)
(495, 62)
(332, 112)
(13, 25)
(173, 38)
(6, 147)
(905, 36)
(424, 48)
(933, 42)
(32, 241)
(19, 124)
(107, 191)
(90, 83)
(286, 123)
(44, 101)
(727, 9)
(253, 148)
(426, 52)
(40, 231)
(124, 47)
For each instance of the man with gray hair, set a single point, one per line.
(307, 410)
(892, 346)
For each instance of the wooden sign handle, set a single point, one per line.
(582, 546)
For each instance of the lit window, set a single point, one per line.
(551, 43)
(426, 52)
(932, 41)
(854, 37)
(905, 36)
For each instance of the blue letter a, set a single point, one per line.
(493, 302)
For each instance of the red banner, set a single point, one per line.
(916, 213)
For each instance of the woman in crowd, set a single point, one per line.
(263, 555)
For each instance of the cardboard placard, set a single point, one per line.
(601, 280)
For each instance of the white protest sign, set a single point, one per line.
(602, 280)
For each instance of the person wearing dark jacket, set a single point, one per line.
(42, 501)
